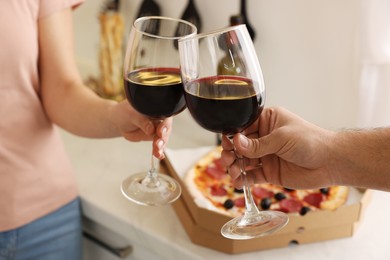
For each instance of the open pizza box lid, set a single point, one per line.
(203, 222)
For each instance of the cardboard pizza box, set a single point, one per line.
(216, 241)
(203, 225)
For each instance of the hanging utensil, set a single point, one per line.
(191, 15)
(150, 8)
(246, 21)
(112, 5)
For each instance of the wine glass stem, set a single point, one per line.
(153, 168)
(151, 180)
(250, 205)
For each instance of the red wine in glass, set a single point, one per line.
(155, 92)
(223, 104)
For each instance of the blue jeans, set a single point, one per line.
(55, 236)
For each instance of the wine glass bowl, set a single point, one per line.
(223, 104)
(225, 93)
(153, 86)
(155, 92)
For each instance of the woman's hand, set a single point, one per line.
(135, 127)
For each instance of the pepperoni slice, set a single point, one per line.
(290, 205)
(215, 172)
(314, 199)
(282, 210)
(217, 190)
(239, 202)
(261, 193)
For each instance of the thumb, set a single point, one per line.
(148, 127)
(254, 148)
(141, 124)
(128, 120)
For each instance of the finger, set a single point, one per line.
(132, 120)
(258, 175)
(137, 136)
(252, 130)
(163, 131)
(253, 176)
(158, 149)
(234, 171)
(227, 143)
(239, 182)
(252, 167)
(258, 147)
(146, 126)
(164, 128)
(227, 158)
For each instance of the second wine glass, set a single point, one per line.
(225, 93)
(154, 88)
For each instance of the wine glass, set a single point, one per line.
(225, 93)
(154, 88)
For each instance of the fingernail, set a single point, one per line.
(164, 130)
(244, 141)
(160, 144)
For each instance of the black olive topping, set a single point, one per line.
(265, 203)
(304, 210)
(324, 191)
(280, 196)
(228, 204)
(238, 190)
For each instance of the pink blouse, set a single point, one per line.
(35, 173)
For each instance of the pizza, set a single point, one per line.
(208, 178)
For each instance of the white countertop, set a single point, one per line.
(101, 165)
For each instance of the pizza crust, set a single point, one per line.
(338, 195)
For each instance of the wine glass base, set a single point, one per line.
(136, 190)
(262, 224)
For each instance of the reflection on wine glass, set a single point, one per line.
(154, 88)
(224, 101)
